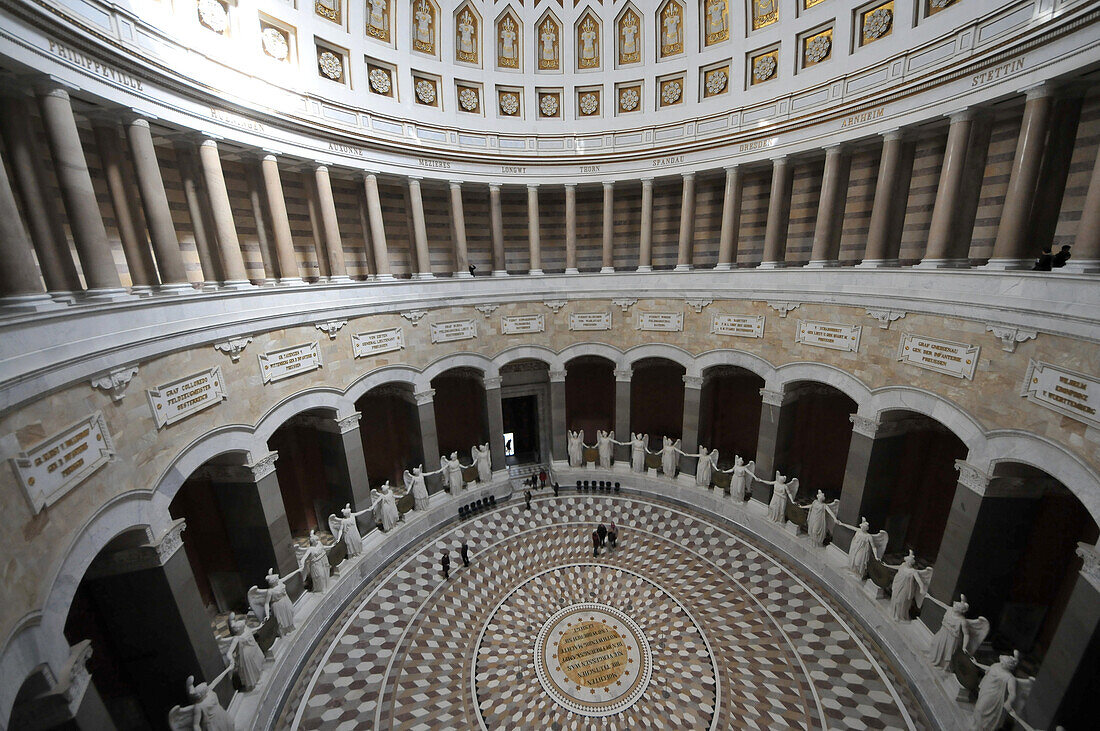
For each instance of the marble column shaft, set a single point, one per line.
(1010, 248)
(429, 435)
(19, 274)
(571, 228)
(1086, 246)
(355, 466)
(420, 231)
(645, 234)
(887, 203)
(687, 224)
(139, 258)
(44, 222)
(495, 411)
(458, 227)
(534, 244)
(196, 205)
(689, 438)
(225, 230)
(857, 471)
(78, 193)
(952, 554)
(256, 202)
(622, 413)
(559, 448)
(496, 217)
(825, 251)
(731, 219)
(767, 443)
(942, 247)
(334, 245)
(317, 232)
(154, 201)
(608, 243)
(276, 204)
(779, 215)
(377, 227)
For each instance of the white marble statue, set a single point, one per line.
(639, 445)
(996, 694)
(414, 484)
(909, 587)
(741, 481)
(344, 528)
(820, 516)
(206, 712)
(576, 448)
(864, 545)
(782, 493)
(484, 461)
(955, 632)
(605, 445)
(452, 473)
(313, 560)
(245, 652)
(670, 456)
(274, 601)
(386, 513)
(704, 469)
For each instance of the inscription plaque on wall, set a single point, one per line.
(1067, 392)
(379, 341)
(660, 321)
(445, 332)
(179, 399)
(275, 365)
(519, 324)
(590, 320)
(943, 356)
(828, 335)
(59, 463)
(738, 326)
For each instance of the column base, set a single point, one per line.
(572, 270)
(1082, 266)
(1004, 265)
(535, 272)
(878, 263)
(142, 290)
(210, 286)
(645, 268)
(341, 279)
(682, 268)
(822, 263)
(107, 294)
(771, 265)
(267, 282)
(64, 298)
(384, 277)
(237, 284)
(500, 273)
(29, 303)
(292, 282)
(175, 288)
(423, 275)
(723, 267)
(465, 274)
(607, 270)
(943, 264)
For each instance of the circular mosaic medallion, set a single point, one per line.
(877, 23)
(764, 68)
(549, 105)
(592, 659)
(671, 93)
(818, 49)
(213, 16)
(716, 82)
(468, 99)
(628, 100)
(509, 104)
(589, 103)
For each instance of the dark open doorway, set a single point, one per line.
(521, 429)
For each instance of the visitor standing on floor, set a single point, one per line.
(446, 564)
(602, 532)
(555, 489)
(465, 552)
(527, 498)
(595, 543)
(613, 535)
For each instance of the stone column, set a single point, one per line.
(500, 268)
(139, 259)
(571, 229)
(779, 215)
(20, 286)
(256, 203)
(192, 193)
(429, 437)
(689, 439)
(825, 251)
(533, 242)
(78, 193)
(1086, 245)
(158, 216)
(767, 443)
(856, 473)
(1011, 247)
(645, 233)
(887, 204)
(559, 448)
(334, 245)
(1072, 649)
(496, 421)
(276, 204)
(377, 228)
(44, 222)
(608, 263)
(943, 250)
(229, 247)
(622, 412)
(687, 224)
(420, 231)
(313, 211)
(342, 435)
(458, 226)
(731, 219)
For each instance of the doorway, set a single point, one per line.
(521, 429)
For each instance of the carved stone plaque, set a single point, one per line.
(828, 335)
(738, 326)
(379, 341)
(275, 365)
(59, 463)
(590, 320)
(519, 324)
(1067, 392)
(445, 332)
(660, 321)
(943, 356)
(179, 399)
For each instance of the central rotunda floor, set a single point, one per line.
(685, 624)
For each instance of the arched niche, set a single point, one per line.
(657, 398)
(814, 436)
(590, 395)
(390, 432)
(461, 413)
(729, 411)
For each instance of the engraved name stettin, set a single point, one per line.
(997, 72)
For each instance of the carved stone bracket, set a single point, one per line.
(556, 305)
(557, 376)
(349, 423)
(971, 477)
(773, 398)
(783, 307)
(75, 677)
(264, 466)
(491, 382)
(698, 303)
(692, 381)
(624, 304)
(623, 374)
(115, 381)
(424, 397)
(1091, 568)
(1010, 335)
(865, 425)
(331, 327)
(171, 541)
(885, 316)
(486, 310)
(233, 347)
(414, 316)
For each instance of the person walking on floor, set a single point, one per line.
(527, 498)
(602, 532)
(595, 543)
(613, 535)
(445, 562)
(465, 553)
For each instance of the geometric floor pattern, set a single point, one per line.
(739, 638)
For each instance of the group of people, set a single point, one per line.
(445, 560)
(604, 535)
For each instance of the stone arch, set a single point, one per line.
(673, 353)
(223, 440)
(830, 375)
(906, 398)
(456, 360)
(601, 350)
(326, 398)
(533, 352)
(741, 359)
(379, 377)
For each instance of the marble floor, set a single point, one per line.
(538, 634)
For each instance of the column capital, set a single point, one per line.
(963, 115)
(263, 466)
(837, 148)
(622, 375)
(491, 382)
(894, 135)
(455, 184)
(772, 397)
(732, 170)
(414, 179)
(608, 184)
(1090, 569)
(370, 175)
(971, 477)
(570, 186)
(265, 156)
(1039, 91)
(532, 186)
(319, 165)
(151, 555)
(780, 161)
(52, 87)
(494, 187)
(557, 376)
(865, 425)
(695, 382)
(647, 182)
(688, 176)
(424, 397)
(349, 423)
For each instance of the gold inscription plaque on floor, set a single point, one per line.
(592, 659)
